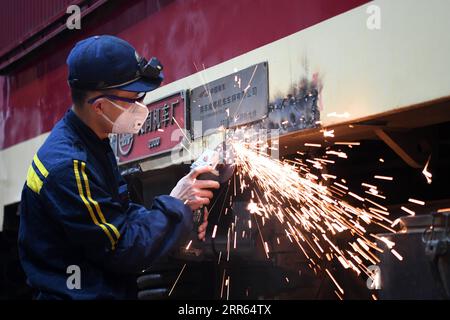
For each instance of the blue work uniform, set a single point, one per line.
(80, 236)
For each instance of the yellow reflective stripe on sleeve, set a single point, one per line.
(40, 166)
(33, 181)
(88, 206)
(95, 203)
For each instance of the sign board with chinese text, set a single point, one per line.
(160, 133)
(234, 100)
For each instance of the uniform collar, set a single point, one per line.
(86, 134)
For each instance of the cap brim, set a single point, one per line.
(141, 85)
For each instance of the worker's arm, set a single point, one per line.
(121, 238)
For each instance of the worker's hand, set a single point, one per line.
(202, 227)
(195, 192)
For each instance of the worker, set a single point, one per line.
(80, 236)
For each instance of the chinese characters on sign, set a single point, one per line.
(160, 133)
(234, 100)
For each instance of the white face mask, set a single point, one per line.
(130, 120)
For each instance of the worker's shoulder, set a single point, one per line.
(59, 151)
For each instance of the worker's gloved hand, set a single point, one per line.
(194, 192)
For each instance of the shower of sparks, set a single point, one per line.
(316, 211)
(313, 211)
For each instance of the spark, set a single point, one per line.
(422, 203)
(335, 282)
(408, 211)
(397, 255)
(245, 91)
(336, 153)
(396, 221)
(223, 283)
(175, 283)
(388, 243)
(228, 287)
(376, 204)
(348, 143)
(316, 145)
(228, 245)
(181, 129)
(205, 84)
(315, 213)
(368, 186)
(375, 193)
(426, 173)
(214, 231)
(328, 133)
(340, 185)
(185, 148)
(356, 196)
(384, 178)
(266, 247)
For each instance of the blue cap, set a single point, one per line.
(107, 62)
